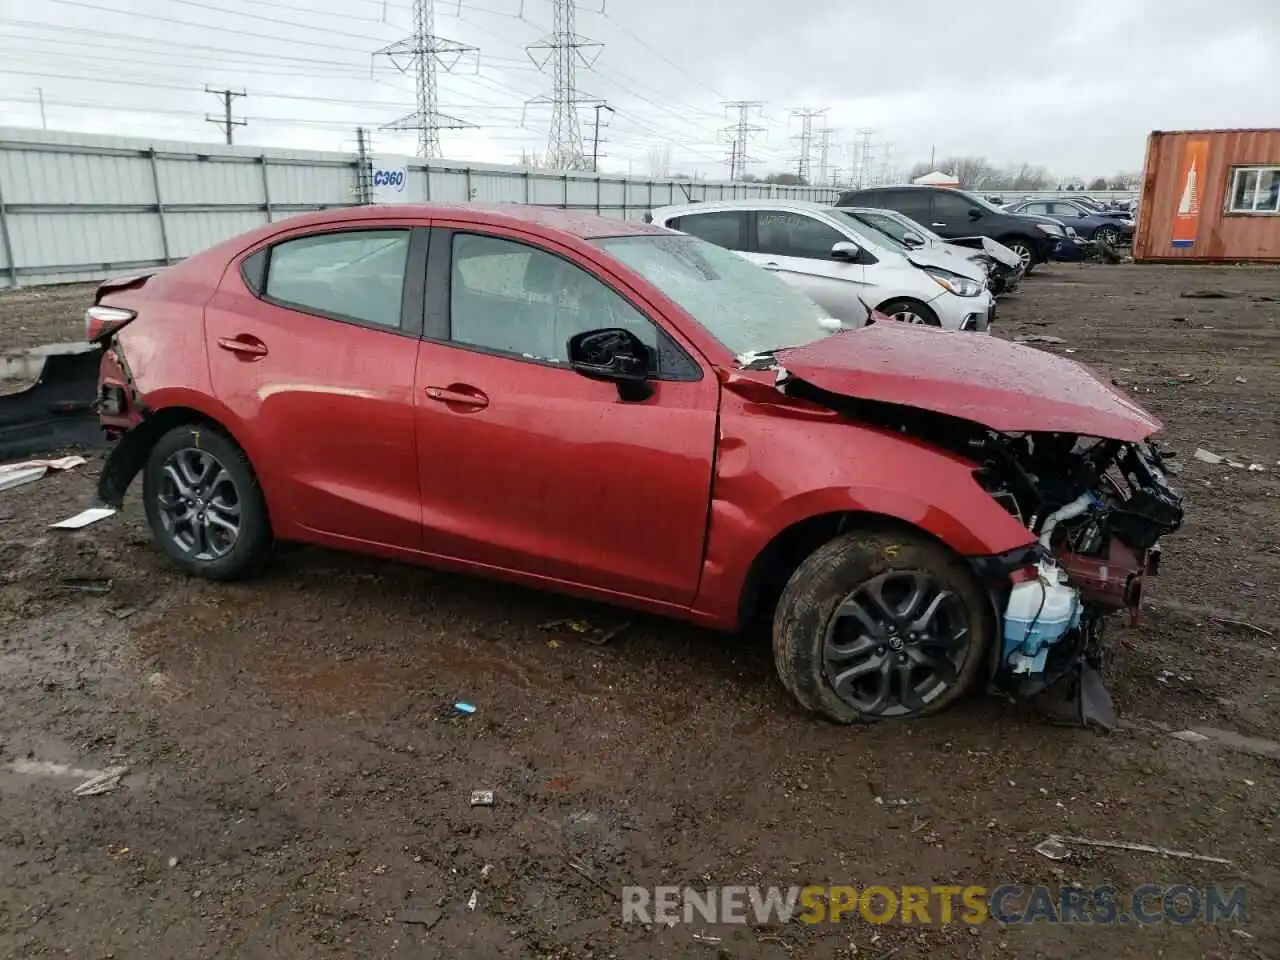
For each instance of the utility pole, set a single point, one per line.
(364, 167)
(425, 53)
(44, 124)
(225, 121)
(595, 137)
(564, 50)
(806, 116)
(739, 134)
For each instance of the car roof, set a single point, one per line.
(771, 203)
(578, 223)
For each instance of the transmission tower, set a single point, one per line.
(862, 151)
(739, 134)
(806, 116)
(565, 51)
(425, 53)
(886, 163)
(824, 152)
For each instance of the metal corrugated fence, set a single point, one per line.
(83, 207)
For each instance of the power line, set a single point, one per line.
(226, 122)
(564, 48)
(426, 51)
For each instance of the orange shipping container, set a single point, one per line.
(1210, 195)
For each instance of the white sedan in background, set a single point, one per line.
(841, 264)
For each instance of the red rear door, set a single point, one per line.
(531, 467)
(312, 345)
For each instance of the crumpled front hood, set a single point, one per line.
(1003, 386)
(941, 257)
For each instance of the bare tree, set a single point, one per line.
(918, 170)
(1025, 177)
(659, 160)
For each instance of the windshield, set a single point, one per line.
(888, 234)
(744, 307)
(986, 205)
(893, 228)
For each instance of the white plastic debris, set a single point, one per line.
(105, 782)
(28, 471)
(1053, 848)
(1204, 456)
(1189, 736)
(482, 798)
(84, 518)
(1256, 468)
(1241, 380)
(475, 898)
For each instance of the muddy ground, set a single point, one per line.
(297, 777)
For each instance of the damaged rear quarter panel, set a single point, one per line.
(778, 465)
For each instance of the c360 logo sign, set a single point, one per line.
(394, 179)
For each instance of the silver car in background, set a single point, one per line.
(845, 266)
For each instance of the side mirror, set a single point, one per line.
(913, 240)
(975, 213)
(614, 355)
(845, 250)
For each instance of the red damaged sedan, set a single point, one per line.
(633, 415)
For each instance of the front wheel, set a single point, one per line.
(204, 504)
(880, 624)
(1107, 236)
(1025, 252)
(905, 310)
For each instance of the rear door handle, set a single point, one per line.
(458, 395)
(244, 345)
(939, 224)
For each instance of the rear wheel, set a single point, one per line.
(204, 504)
(906, 310)
(880, 624)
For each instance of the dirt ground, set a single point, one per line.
(298, 778)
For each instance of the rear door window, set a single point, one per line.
(724, 228)
(787, 234)
(912, 203)
(356, 275)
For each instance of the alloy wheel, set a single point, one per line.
(1024, 254)
(199, 504)
(1107, 235)
(896, 643)
(907, 316)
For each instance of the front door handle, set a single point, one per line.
(458, 395)
(939, 224)
(772, 266)
(244, 345)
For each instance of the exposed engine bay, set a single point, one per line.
(1098, 509)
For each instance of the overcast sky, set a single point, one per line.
(1074, 87)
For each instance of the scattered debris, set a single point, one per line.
(1178, 319)
(419, 916)
(28, 471)
(1053, 848)
(1242, 934)
(466, 708)
(485, 871)
(1189, 736)
(173, 862)
(588, 875)
(1037, 338)
(84, 518)
(1141, 848)
(1069, 350)
(1256, 468)
(1204, 456)
(1207, 295)
(1235, 463)
(598, 636)
(1242, 379)
(701, 938)
(95, 585)
(482, 798)
(475, 898)
(105, 782)
(1228, 622)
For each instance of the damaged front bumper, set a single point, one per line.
(1092, 558)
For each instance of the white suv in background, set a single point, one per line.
(840, 263)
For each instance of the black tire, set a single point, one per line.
(834, 574)
(1026, 251)
(250, 547)
(1107, 235)
(907, 305)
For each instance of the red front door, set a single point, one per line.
(528, 466)
(317, 366)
